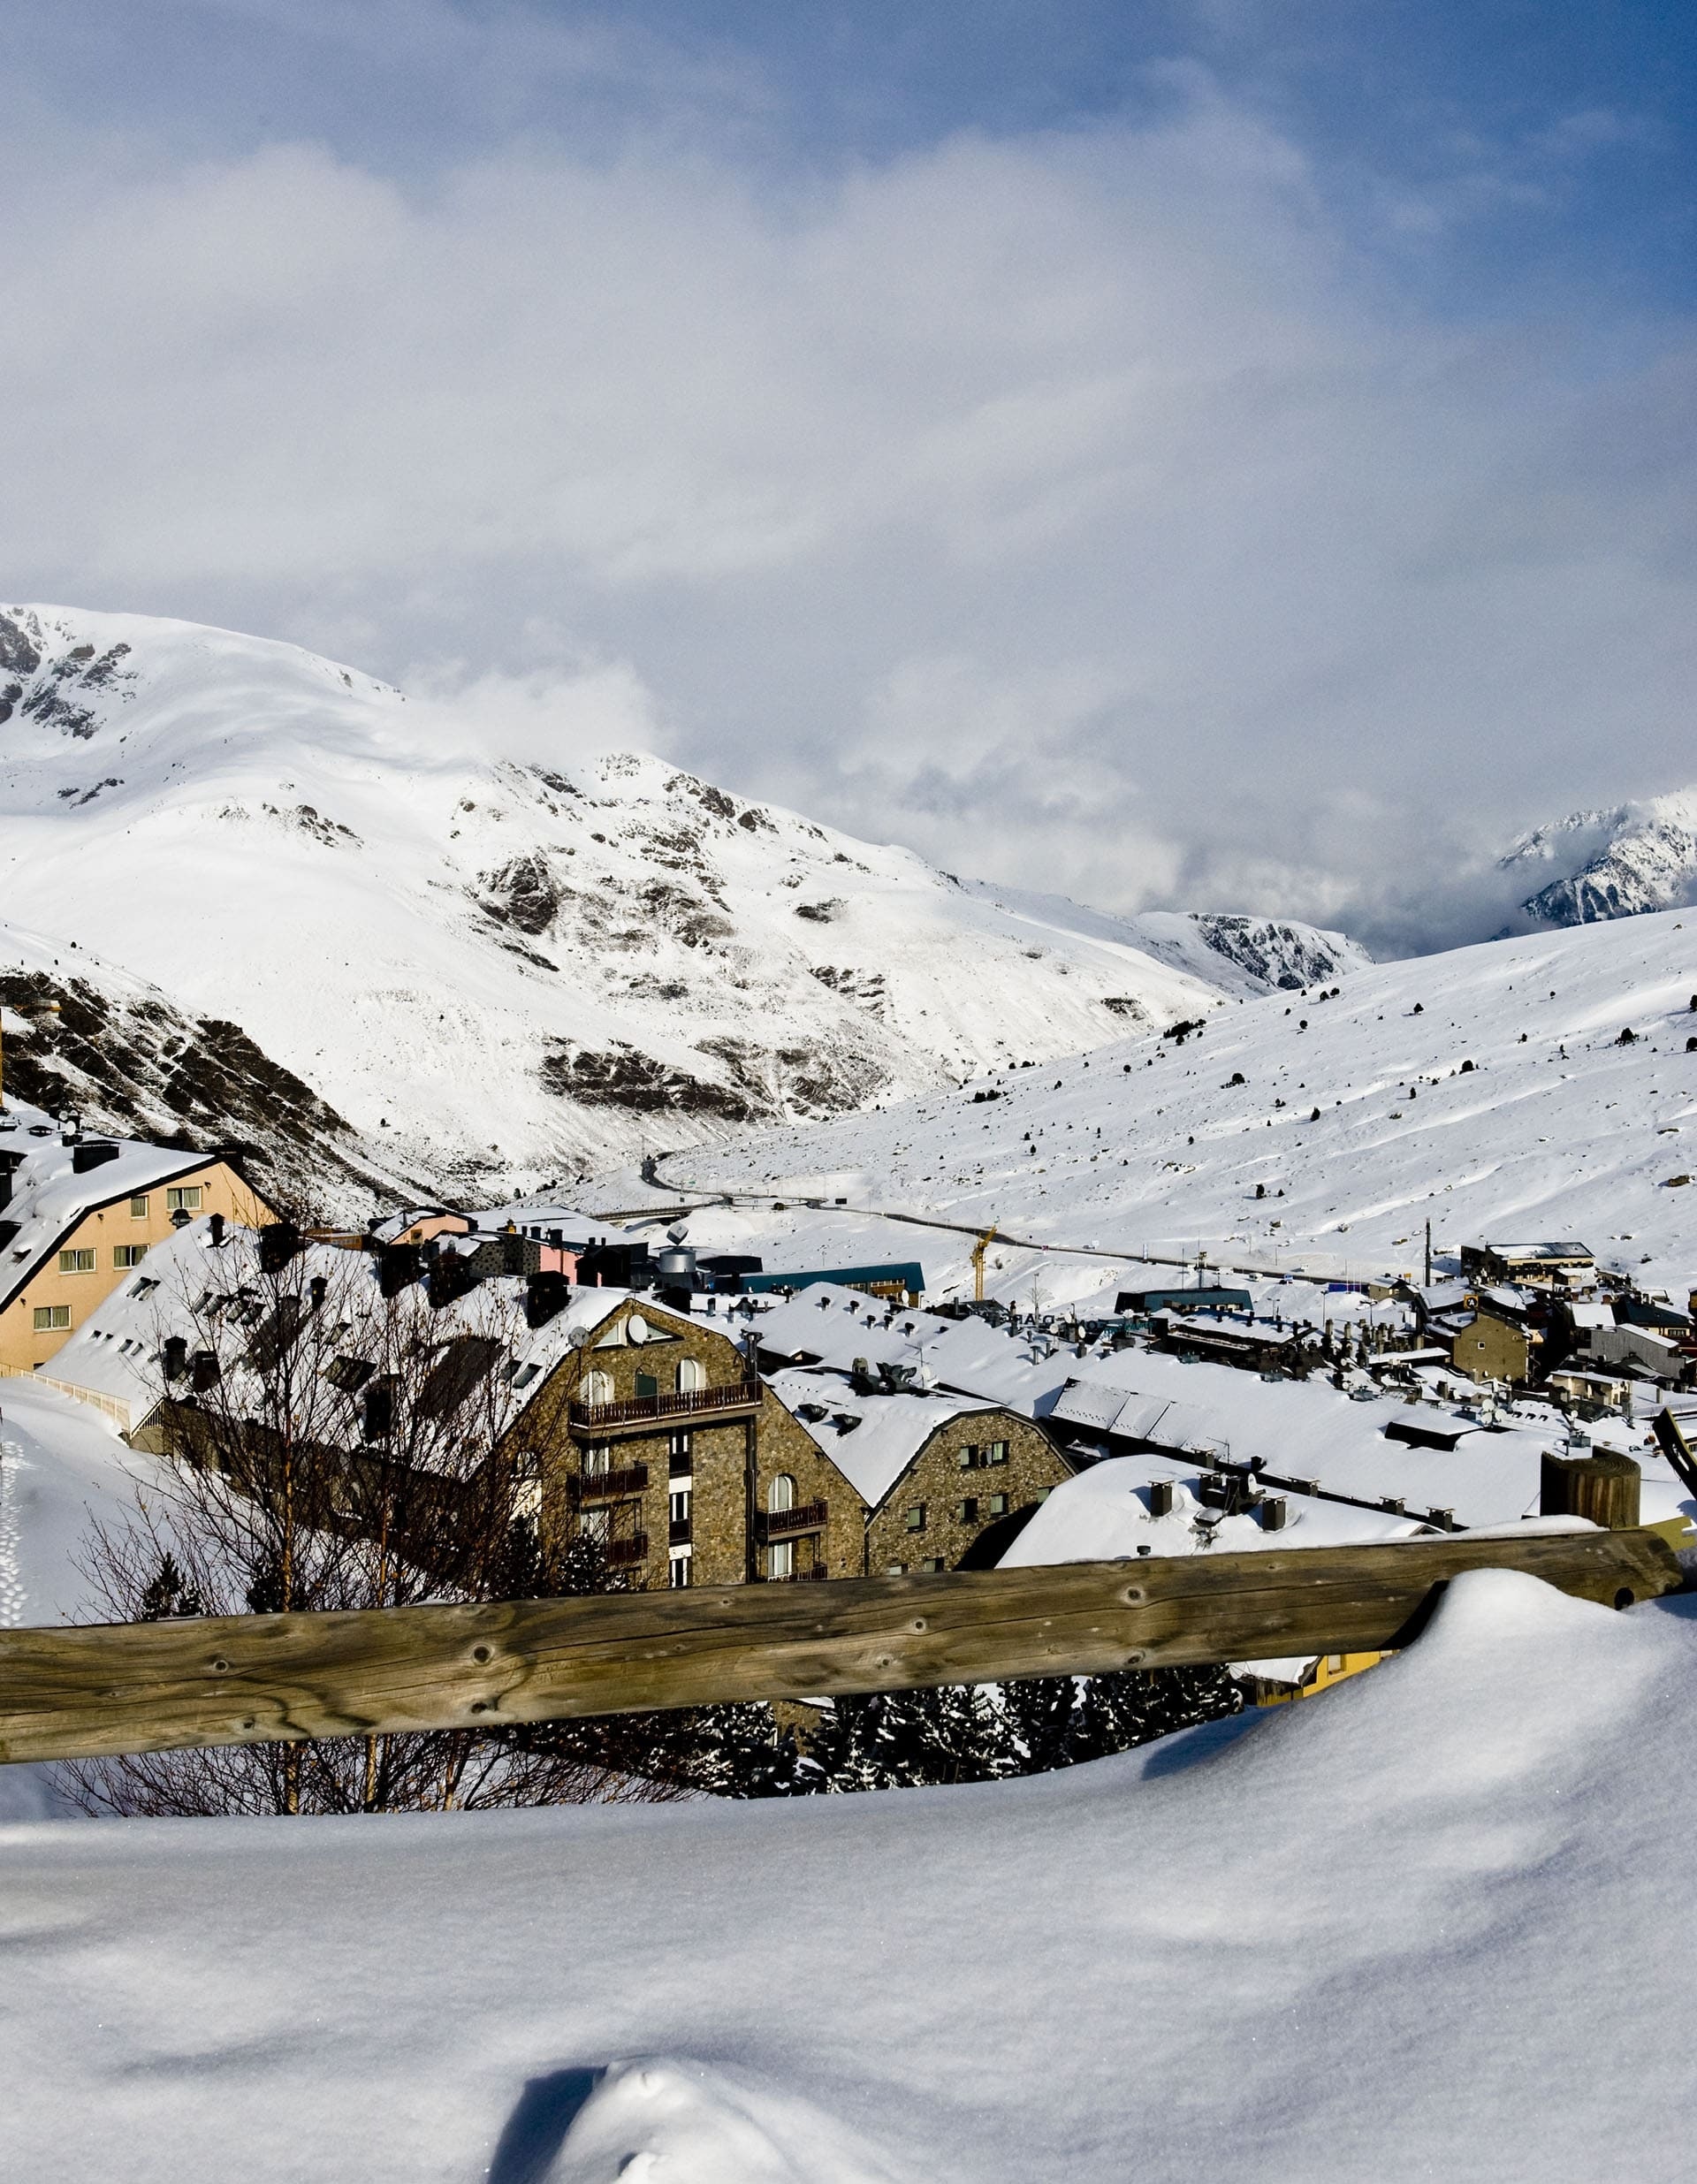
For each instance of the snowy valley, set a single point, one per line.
(498, 973)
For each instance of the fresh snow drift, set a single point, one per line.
(502, 973)
(1426, 1926)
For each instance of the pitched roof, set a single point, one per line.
(871, 1439)
(50, 1196)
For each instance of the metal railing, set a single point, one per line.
(782, 1524)
(609, 1485)
(587, 1417)
(619, 1553)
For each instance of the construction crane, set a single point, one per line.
(978, 1250)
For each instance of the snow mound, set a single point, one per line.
(663, 2120)
(1426, 1925)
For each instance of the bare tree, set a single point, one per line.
(332, 1441)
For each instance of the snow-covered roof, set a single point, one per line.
(1103, 1514)
(49, 1195)
(871, 1439)
(115, 1353)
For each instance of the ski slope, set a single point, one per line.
(1356, 1117)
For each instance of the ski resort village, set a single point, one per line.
(848, 1094)
(1143, 1489)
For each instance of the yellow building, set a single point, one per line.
(1319, 1675)
(79, 1215)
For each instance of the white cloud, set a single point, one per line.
(1085, 509)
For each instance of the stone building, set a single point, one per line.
(655, 1434)
(942, 1481)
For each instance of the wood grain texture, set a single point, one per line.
(81, 1692)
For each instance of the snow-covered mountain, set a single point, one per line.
(1614, 863)
(1240, 955)
(506, 972)
(1493, 1090)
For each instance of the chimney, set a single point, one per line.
(215, 1226)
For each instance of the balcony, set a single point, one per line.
(679, 1534)
(609, 1485)
(784, 1524)
(802, 1577)
(618, 1553)
(637, 1414)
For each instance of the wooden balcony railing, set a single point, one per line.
(597, 1418)
(620, 1553)
(784, 1524)
(681, 1531)
(610, 1486)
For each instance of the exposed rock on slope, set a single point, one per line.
(522, 968)
(120, 1054)
(1616, 863)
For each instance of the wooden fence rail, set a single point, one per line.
(87, 1690)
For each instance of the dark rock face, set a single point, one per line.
(133, 1064)
(524, 894)
(53, 695)
(1280, 955)
(623, 1078)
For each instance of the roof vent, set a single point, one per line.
(93, 1152)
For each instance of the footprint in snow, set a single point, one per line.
(668, 2120)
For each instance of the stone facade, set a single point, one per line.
(1492, 1349)
(962, 1498)
(673, 1496)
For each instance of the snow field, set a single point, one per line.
(1557, 1130)
(1426, 1926)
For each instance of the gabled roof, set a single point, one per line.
(871, 1439)
(115, 1353)
(50, 1197)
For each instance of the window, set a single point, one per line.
(936, 1563)
(678, 1504)
(995, 1505)
(598, 1462)
(692, 1375)
(597, 1388)
(679, 1461)
(50, 1316)
(597, 1524)
(968, 1457)
(139, 1206)
(678, 1570)
(780, 1560)
(780, 1495)
(647, 1384)
(895, 1570)
(915, 1519)
(128, 1254)
(966, 1512)
(996, 1452)
(182, 1198)
(77, 1263)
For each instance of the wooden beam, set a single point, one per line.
(94, 1689)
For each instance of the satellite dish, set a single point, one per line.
(636, 1328)
(677, 1232)
(579, 1338)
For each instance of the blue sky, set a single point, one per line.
(1159, 451)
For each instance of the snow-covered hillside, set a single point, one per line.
(1425, 1926)
(1486, 1090)
(80, 1034)
(1240, 955)
(1615, 864)
(504, 971)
